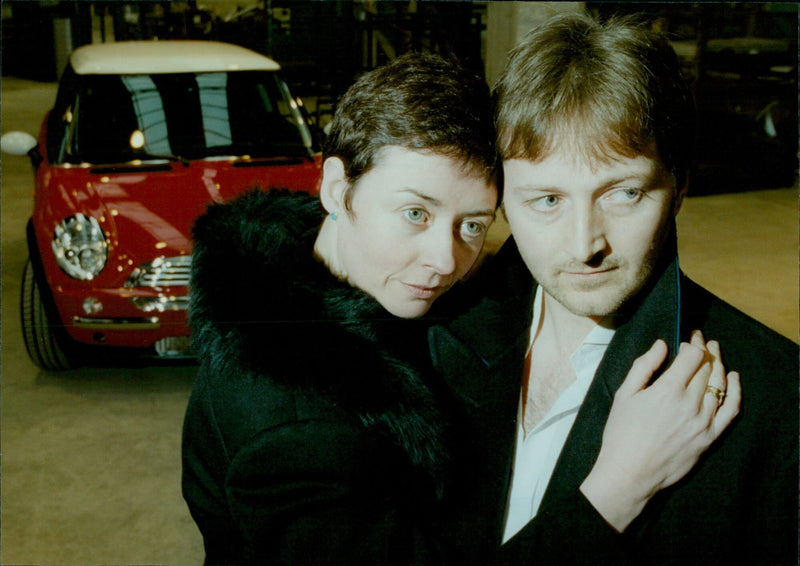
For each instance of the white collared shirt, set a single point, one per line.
(535, 456)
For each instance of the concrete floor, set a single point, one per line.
(91, 458)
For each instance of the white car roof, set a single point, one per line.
(166, 56)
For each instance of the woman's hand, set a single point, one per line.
(655, 434)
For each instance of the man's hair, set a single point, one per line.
(605, 89)
(419, 101)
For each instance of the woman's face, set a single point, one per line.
(416, 225)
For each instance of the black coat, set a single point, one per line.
(310, 436)
(739, 505)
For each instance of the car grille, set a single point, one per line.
(162, 272)
(174, 347)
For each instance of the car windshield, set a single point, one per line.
(116, 118)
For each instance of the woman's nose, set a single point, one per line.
(439, 252)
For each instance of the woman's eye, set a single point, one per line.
(473, 229)
(415, 215)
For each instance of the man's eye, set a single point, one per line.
(415, 215)
(546, 203)
(624, 196)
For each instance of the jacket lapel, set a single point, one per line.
(490, 335)
(480, 356)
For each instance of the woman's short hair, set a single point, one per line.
(605, 89)
(419, 101)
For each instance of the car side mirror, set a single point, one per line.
(17, 143)
(21, 143)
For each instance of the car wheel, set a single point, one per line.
(45, 340)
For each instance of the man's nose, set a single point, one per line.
(587, 234)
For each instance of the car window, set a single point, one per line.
(191, 115)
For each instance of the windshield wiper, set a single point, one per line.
(149, 157)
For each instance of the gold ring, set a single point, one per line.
(716, 392)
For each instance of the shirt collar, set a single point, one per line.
(600, 335)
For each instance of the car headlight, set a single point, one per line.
(80, 247)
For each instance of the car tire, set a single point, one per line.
(45, 340)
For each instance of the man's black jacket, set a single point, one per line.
(739, 505)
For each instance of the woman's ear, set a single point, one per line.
(333, 186)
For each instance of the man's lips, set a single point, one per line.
(588, 275)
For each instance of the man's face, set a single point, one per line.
(589, 232)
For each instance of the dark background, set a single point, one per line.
(741, 57)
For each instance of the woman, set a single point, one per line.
(316, 433)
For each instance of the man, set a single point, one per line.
(595, 130)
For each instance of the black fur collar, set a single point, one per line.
(262, 305)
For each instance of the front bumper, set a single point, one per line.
(104, 324)
(114, 317)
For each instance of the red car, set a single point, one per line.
(142, 137)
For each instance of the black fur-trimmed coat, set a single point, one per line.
(312, 435)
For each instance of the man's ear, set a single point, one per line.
(681, 192)
(333, 186)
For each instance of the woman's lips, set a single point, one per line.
(422, 291)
